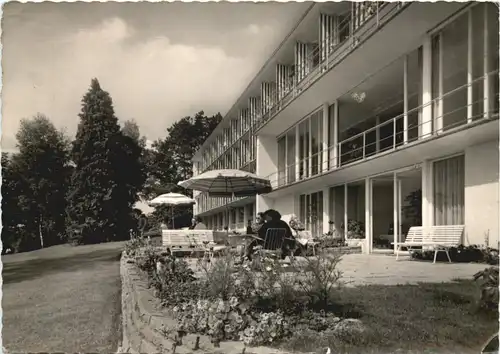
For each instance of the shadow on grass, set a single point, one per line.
(25, 270)
(437, 318)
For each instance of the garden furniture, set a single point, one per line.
(273, 243)
(441, 238)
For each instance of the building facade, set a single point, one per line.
(371, 117)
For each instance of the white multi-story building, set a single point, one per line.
(376, 113)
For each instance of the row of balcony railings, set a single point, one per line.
(362, 21)
(207, 203)
(390, 134)
(448, 111)
(247, 156)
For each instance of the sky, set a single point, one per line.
(159, 61)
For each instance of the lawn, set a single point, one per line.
(62, 299)
(424, 318)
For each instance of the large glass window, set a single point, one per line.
(281, 161)
(316, 142)
(458, 67)
(454, 58)
(290, 155)
(449, 191)
(304, 149)
(311, 212)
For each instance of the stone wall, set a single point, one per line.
(144, 322)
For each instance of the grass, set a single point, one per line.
(62, 299)
(424, 318)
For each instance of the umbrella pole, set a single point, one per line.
(172, 215)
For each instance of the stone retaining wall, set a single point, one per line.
(144, 323)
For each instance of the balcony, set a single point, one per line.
(347, 65)
(459, 126)
(356, 27)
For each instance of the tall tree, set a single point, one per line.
(37, 177)
(12, 215)
(107, 176)
(131, 129)
(171, 160)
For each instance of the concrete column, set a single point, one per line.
(470, 98)
(405, 100)
(332, 202)
(335, 158)
(395, 210)
(309, 153)
(426, 194)
(326, 211)
(324, 133)
(346, 214)
(486, 66)
(297, 153)
(425, 124)
(368, 218)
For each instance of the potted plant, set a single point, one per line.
(412, 209)
(355, 234)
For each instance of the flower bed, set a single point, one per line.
(259, 303)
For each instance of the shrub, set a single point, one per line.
(465, 254)
(230, 320)
(219, 278)
(175, 281)
(276, 286)
(489, 287)
(319, 278)
(146, 258)
(133, 246)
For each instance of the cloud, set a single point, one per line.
(153, 81)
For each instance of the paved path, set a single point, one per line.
(62, 299)
(384, 269)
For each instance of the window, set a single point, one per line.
(282, 161)
(449, 191)
(290, 155)
(450, 68)
(311, 212)
(304, 149)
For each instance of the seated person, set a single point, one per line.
(253, 227)
(273, 221)
(197, 224)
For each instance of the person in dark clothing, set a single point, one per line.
(273, 221)
(254, 227)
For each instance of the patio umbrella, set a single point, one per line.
(228, 183)
(172, 200)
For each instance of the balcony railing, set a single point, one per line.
(393, 134)
(354, 29)
(358, 25)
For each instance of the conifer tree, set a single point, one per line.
(108, 173)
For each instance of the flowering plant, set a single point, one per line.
(230, 320)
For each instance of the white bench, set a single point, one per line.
(441, 238)
(191, 241)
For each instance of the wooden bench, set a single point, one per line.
(441, 238)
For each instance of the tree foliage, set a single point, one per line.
(84, 191)
(170, 161)
(108, 174)
(34, 186)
